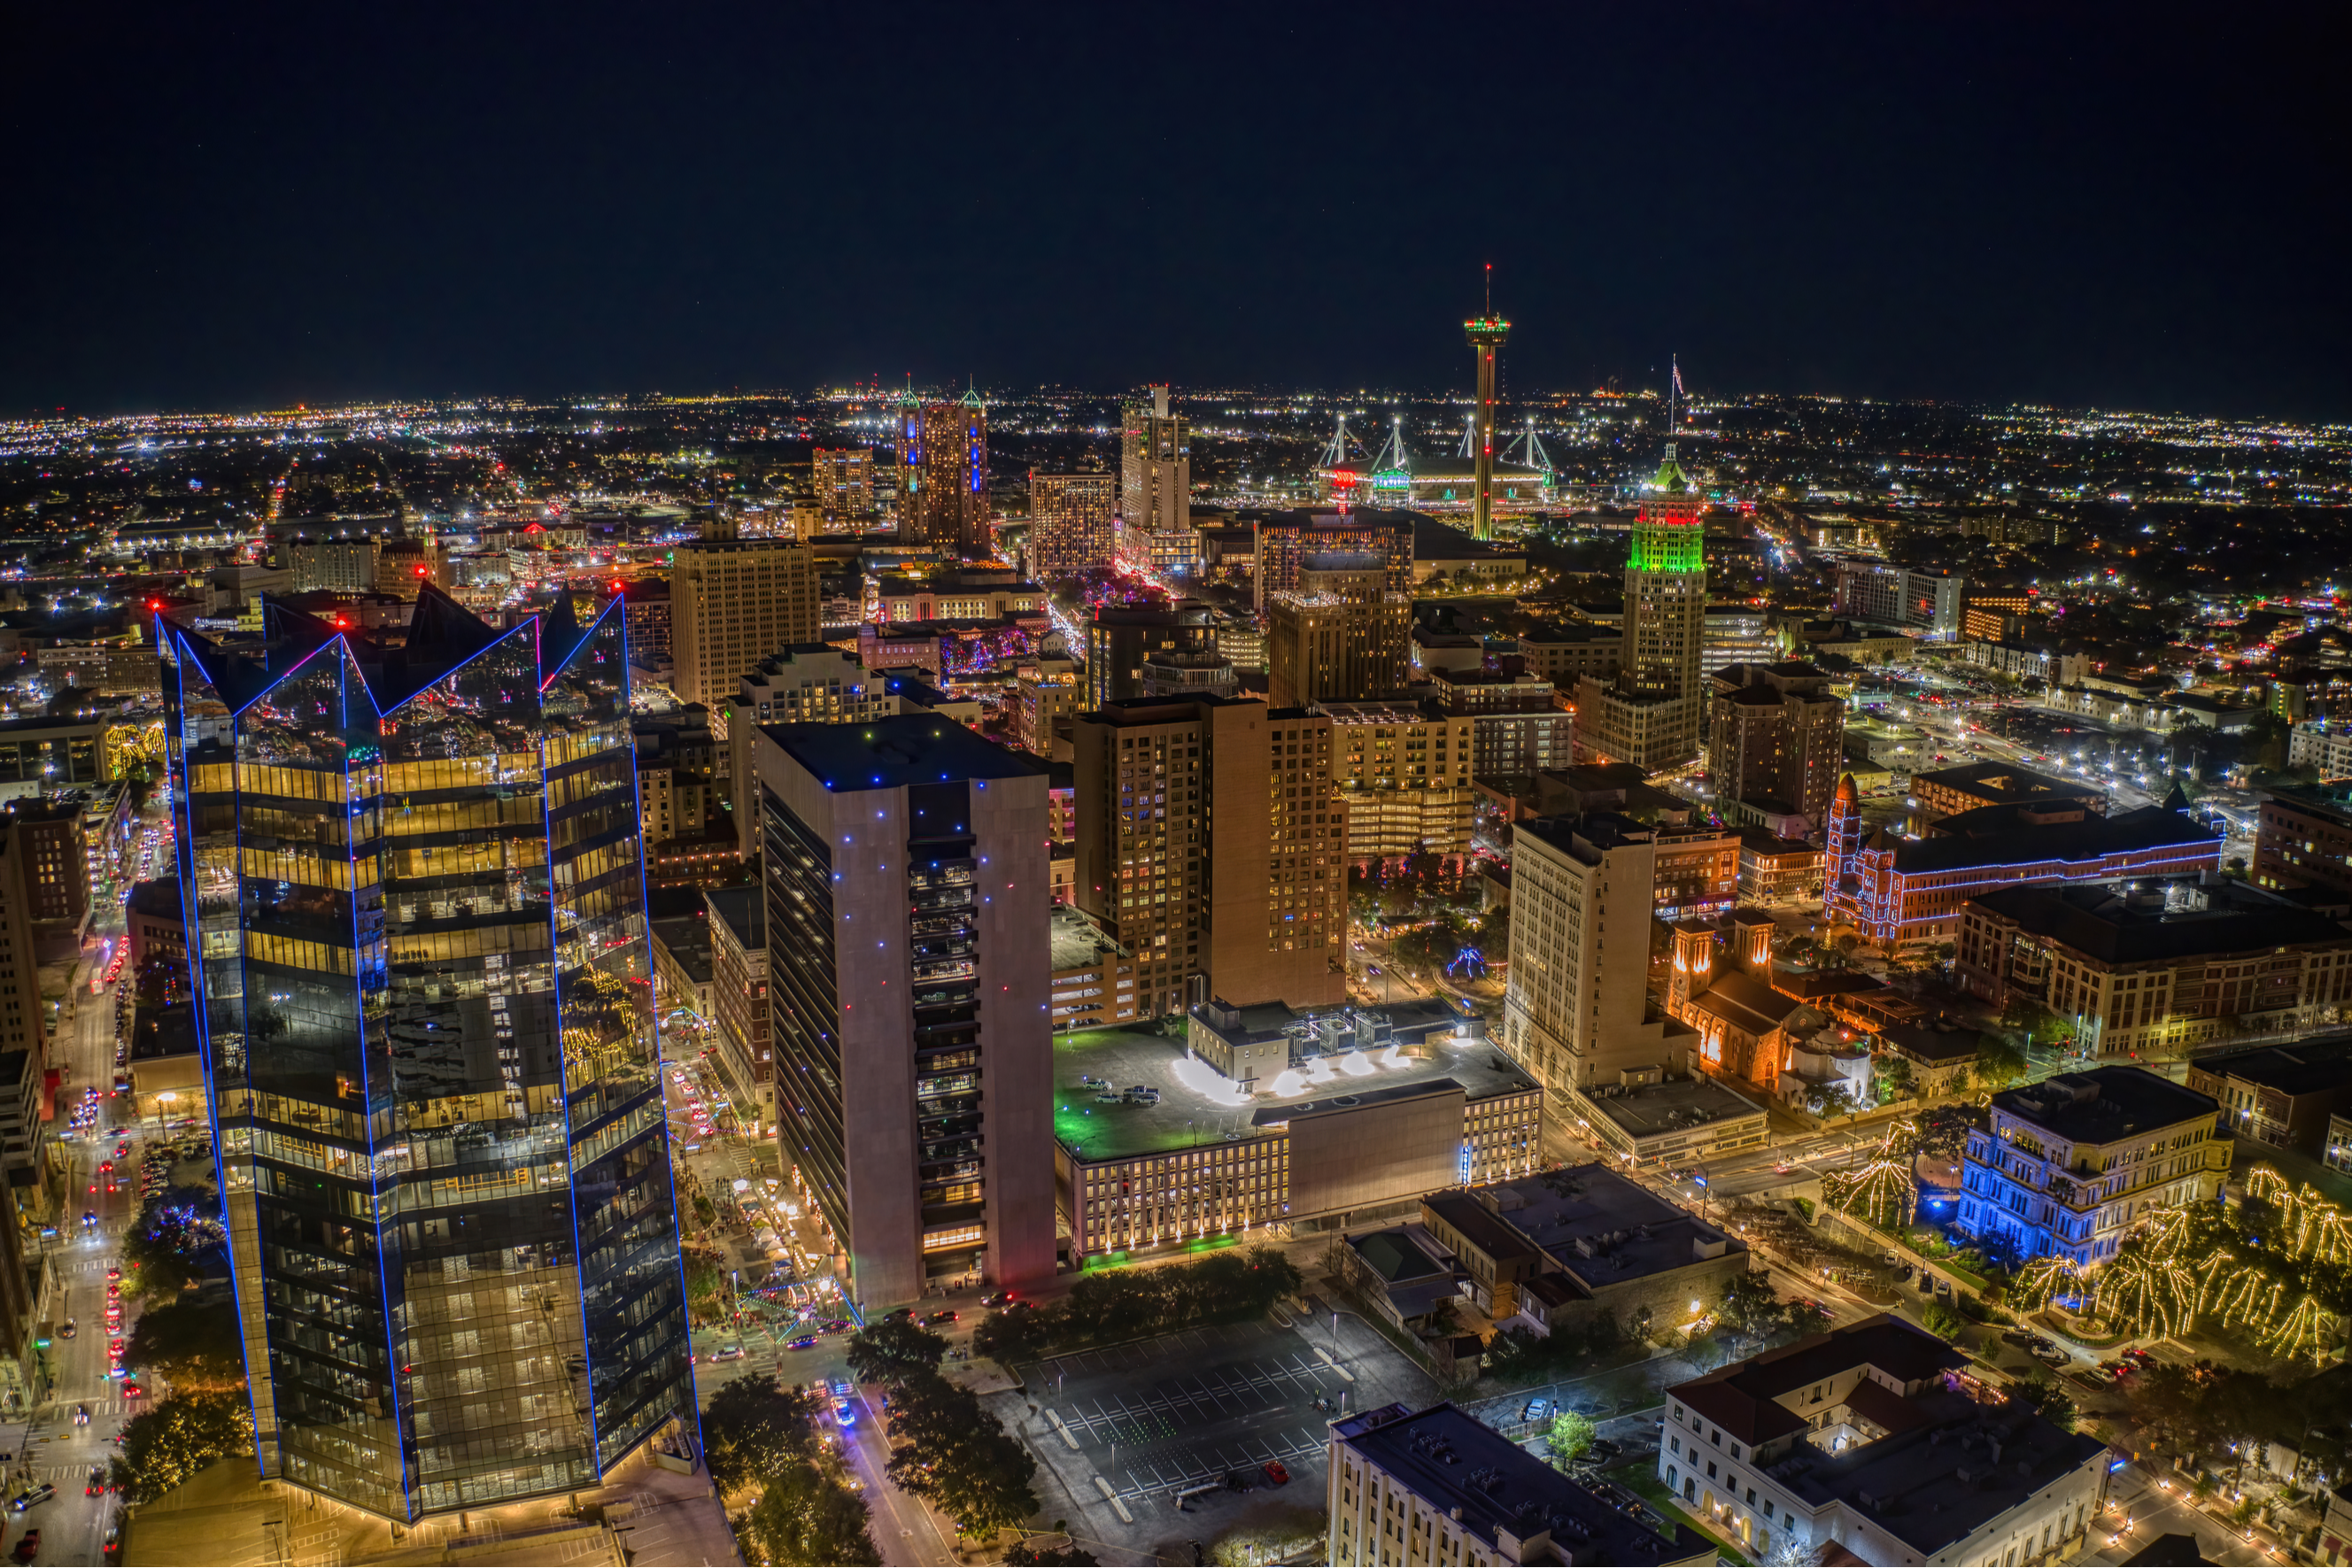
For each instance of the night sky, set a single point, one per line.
(241, 207)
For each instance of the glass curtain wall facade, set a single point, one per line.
(414, 886)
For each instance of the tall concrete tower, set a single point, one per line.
(1485, 333)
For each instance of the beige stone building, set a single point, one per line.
(1575, 1009)
(732, 604)
(1403, 770)
(1340, 635)
(1212, 844)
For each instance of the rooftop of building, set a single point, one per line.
(1944, 1464)
(1565, 633)
(1598, 776)
(2332, 800)
(792, 653)
(1200, 1107)
(1745, 1002)
(1534, 683)
(1584, 839)
(1935, 1043)
(1654, 1110)
(895, 752)
(1185, 612)
(2302, 1067)
(686, 940)
(1074, 941)
(2103, 1105)
(1742, 1396)
(2128, 924)
(1600, 1224)
(2150, 827)
(744, 911)
(735, 546)
(1490, 1486)
(2005, 783)
(1767, 845)
(1403, 1252)
(1378, 711)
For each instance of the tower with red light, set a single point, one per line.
(1485, 333)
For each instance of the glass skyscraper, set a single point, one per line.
(414, 892)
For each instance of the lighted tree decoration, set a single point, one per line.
(1883, 1192)
(2269, 1269)
(2045, 1280)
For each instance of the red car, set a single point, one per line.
(1276, 1474)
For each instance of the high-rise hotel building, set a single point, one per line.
(1649, 714)
(414, 890)
(944, 456)
(1070, 523)
(1212, 844)
(1155, 488)
(908, 895)
(733, 602)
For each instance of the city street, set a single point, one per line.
(52, 1448)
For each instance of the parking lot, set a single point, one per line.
(1242, 1395)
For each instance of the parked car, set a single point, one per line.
(1276, 1474)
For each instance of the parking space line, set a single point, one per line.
(1218, 1394)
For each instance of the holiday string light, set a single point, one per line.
(2264, 1270)
(1883, 1191)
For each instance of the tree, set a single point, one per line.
(1009, 1334)
(1829, 1100)
(755, 1428)
(174, 1238)
(1845, 942)
(1570, 1438)
(1893, 1078)
(1942, 1320)
(2027, 1016)
(1750, 1306)
(180, 1438)
(960, 1455)
(888, 1350)
(2056, 1406)
(194, 1345)
(1998, 1062)
(808, 1514)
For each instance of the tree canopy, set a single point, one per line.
(176, 1441)
(192, 1345)
(754, 1426)
(958, 1455)
(808, 1514)
(885, 1352)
